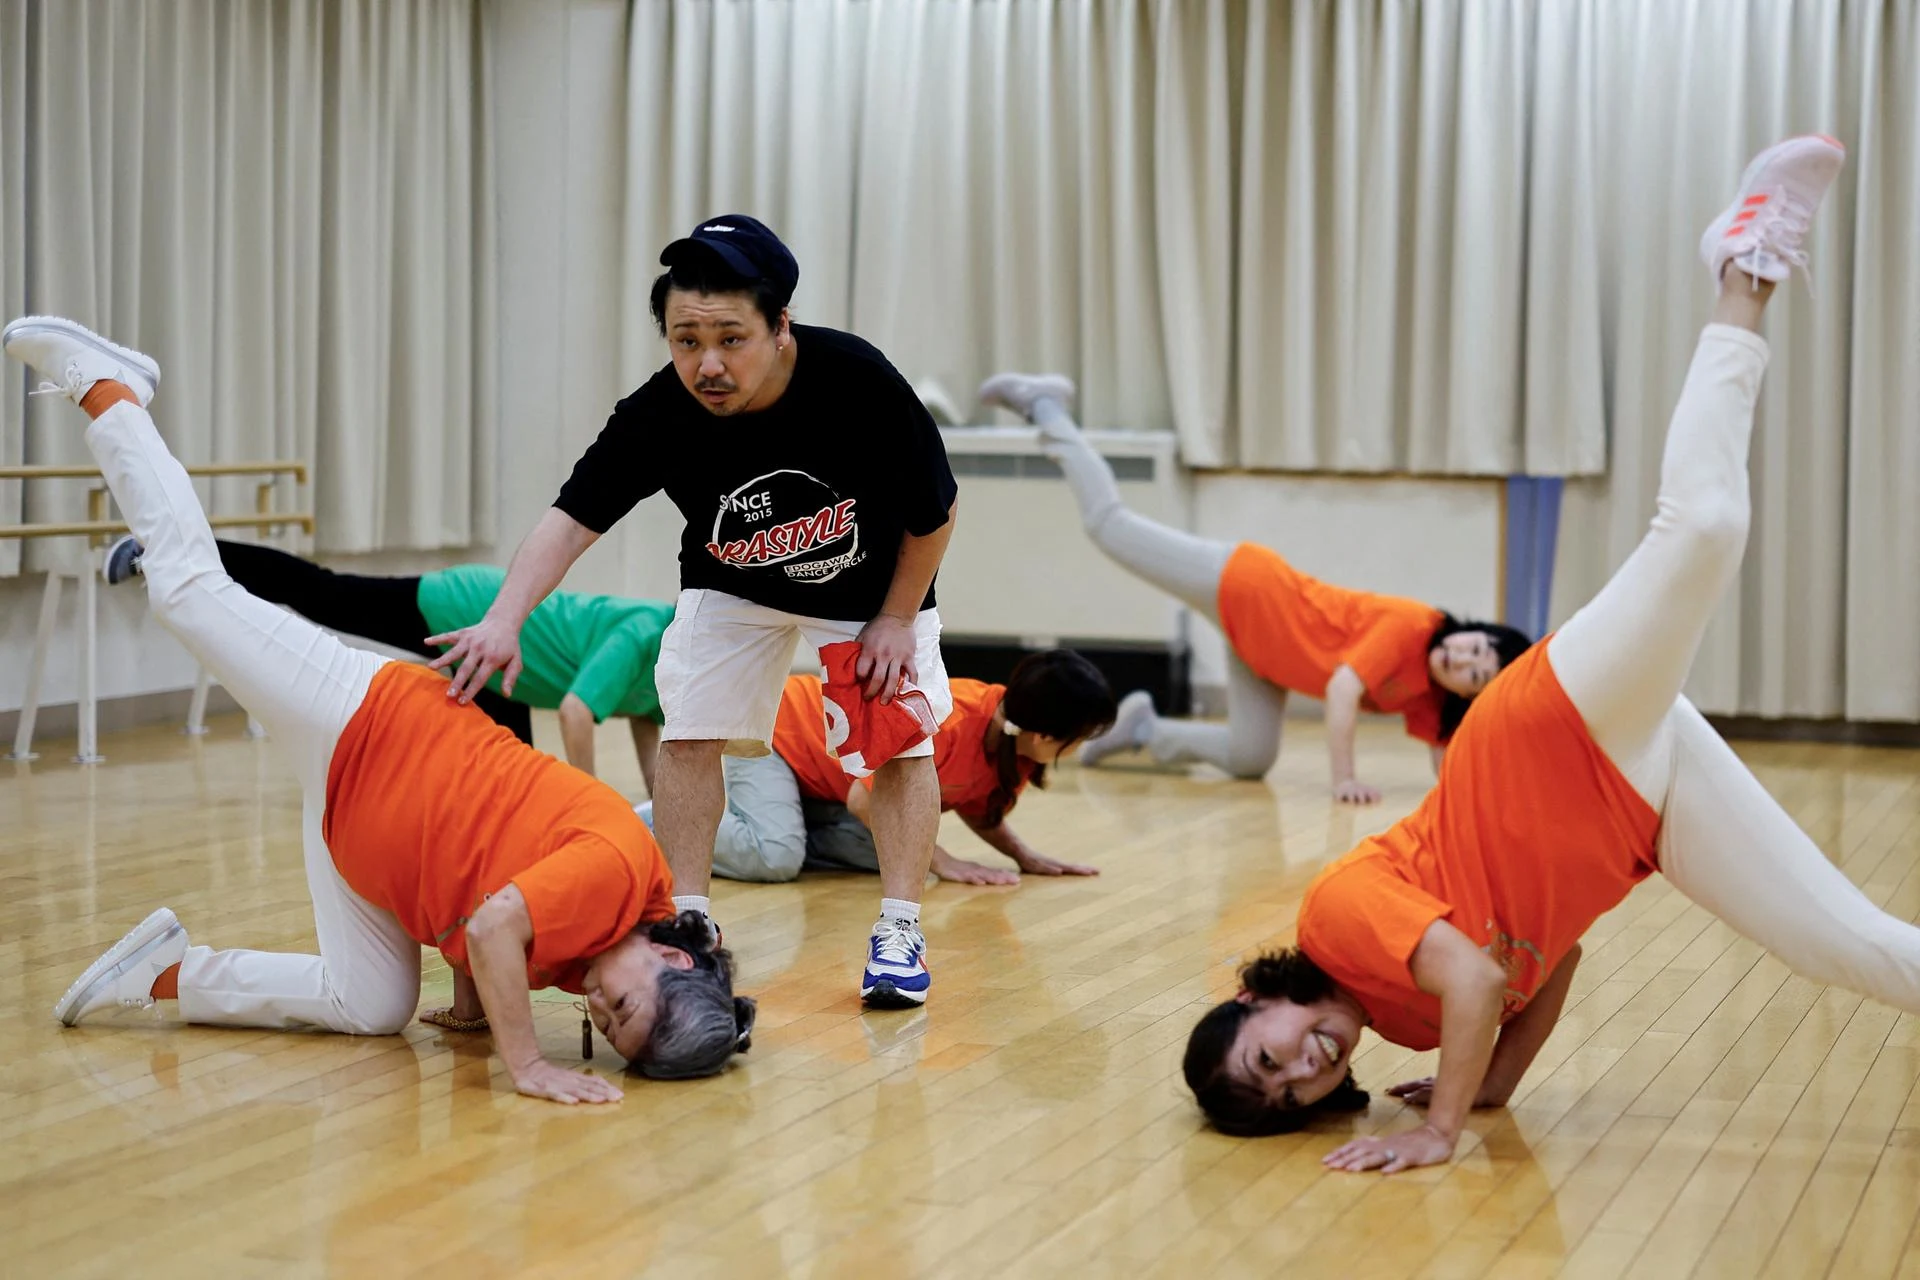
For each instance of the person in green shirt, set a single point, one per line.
(586, 657)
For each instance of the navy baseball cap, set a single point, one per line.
(746, 246)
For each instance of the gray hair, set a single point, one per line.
(699, 1023)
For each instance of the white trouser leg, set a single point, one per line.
(1245, 746)
(304, 686)
(365, 981)
(1624, 658)
(298, 681)
(1184, 565)
(1729, 846)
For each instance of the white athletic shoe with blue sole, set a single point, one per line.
(72, 357)
(123, 977)
(896, 976)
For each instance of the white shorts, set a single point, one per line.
(724, 662)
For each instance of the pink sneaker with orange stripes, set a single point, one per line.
(1762, 231)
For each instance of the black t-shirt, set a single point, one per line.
(799, 506)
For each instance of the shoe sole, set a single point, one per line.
(884, 995)
(137, 943)
(86, 337)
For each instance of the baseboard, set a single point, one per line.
(1161, 669)
(58, 723)
(1859, 733)
(1211, 700)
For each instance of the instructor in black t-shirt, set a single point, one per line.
(818, 502)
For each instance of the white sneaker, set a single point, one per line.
(1021, 392)
(1762, 231)
(896, 976)
(72, 358)
(123, 977)
(1131, 726)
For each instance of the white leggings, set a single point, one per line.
(1724, 842)
(303, 685)
(1188, 568)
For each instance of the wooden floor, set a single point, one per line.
(1699, 1111)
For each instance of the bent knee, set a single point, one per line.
(377, 1017)
(1719, 525)
(1252, 757)
(769, 862)
(1251, 766)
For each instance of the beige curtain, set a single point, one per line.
(1825, 620)
(1455, 236)
(1386, 317)
(290, 205)
(967, 185)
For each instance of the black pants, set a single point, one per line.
(384, 610)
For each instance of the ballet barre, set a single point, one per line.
(96, 529)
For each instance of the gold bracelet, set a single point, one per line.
(445, 1018)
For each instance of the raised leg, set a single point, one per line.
(298, 681)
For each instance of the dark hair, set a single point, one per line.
(1056, 692)
(1236, 1107)
(705, 272)
(699, 1024)
(1508, 644)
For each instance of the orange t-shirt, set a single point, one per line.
(1529, 837)
(967, 773)
(432, 808)
(1295, 631)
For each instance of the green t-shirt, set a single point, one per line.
(601, 649)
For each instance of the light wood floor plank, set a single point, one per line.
(1699, 1110)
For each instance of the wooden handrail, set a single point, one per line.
(298, 470)
(107, 528)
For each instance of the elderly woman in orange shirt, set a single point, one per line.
(426, 824)
(1288, 633)
(1580, 773)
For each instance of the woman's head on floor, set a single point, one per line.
(1276, 1055)
(663, 998)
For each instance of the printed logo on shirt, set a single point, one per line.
(789, 520)
(839, 729)
(1524, 965)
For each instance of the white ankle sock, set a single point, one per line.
(693, 902)
(900, 909)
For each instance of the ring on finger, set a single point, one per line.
(1388, 1153)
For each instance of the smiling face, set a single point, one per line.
(1464, 663)
(623, 991)
(1294, 1054)
(726, 356)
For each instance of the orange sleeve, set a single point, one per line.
(582, 898)
(1367, 921)
(1382, 649)
(1423, 719)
